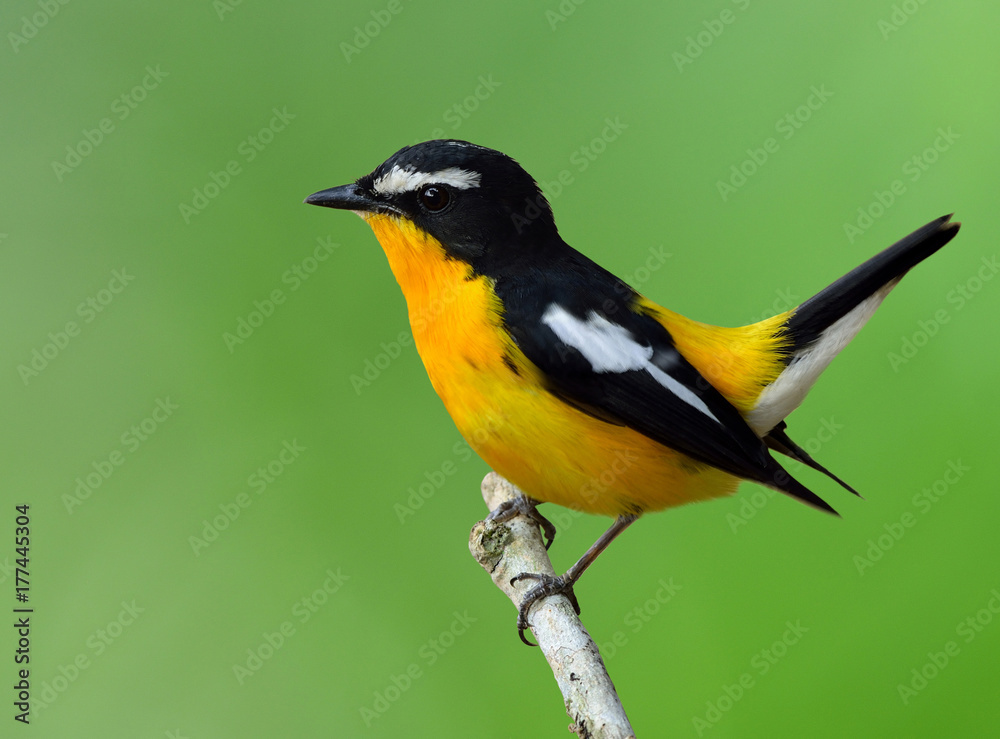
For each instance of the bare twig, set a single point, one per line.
(508, 549)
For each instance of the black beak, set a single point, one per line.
(345, 197)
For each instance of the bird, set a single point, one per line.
(571, 384)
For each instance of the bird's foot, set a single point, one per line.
(523, 505)
(547, 585)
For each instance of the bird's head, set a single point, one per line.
(479, 204)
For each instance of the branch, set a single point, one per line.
(508, 549)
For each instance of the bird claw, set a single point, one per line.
(523, 505)
(547, 585)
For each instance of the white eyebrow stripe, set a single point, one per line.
(398, 180)
(610, 348)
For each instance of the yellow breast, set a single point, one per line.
(497, 398)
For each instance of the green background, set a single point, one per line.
(555, 73)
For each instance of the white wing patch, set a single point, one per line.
(610, 348)
(785, 394)
(398, 180)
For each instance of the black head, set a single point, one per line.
(474, 200)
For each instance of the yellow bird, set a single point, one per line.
(571, 384)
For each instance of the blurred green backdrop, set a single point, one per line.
(224, 535)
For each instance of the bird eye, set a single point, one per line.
(434, 198)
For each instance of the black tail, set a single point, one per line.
(823, 325)
(828, 306)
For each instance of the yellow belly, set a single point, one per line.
(558, 454)
(552, 451)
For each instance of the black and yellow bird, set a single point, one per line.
(569, 383)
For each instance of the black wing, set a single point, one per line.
(622, 367)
